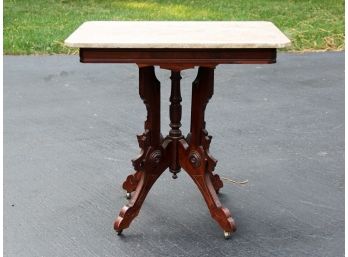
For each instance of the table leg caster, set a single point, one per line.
(227, 235)
(128, 195)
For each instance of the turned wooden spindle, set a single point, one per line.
(175, 105)
(175, 122)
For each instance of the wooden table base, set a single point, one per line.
(174, 151)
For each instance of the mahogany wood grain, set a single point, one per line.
(190, 57)
(174, 151)
(150, 164)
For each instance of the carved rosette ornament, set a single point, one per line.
(155, 156)
(195, 159)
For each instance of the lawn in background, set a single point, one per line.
(40, 26)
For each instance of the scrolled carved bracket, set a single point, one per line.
(205, 143)
(217, 182)
(206, 139)
(144, 139)
(138, 163)
(131, 182)
(210, 161)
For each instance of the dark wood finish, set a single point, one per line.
(168, 58)
(150, 164)
(174, 151)
(175, 105)
(194, 153)
(175, 123)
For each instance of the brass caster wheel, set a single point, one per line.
(128, 195)
(119, 232)
(227, 235)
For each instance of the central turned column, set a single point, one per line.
(175, 122)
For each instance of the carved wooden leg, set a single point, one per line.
(150, 164)
(131, 210)
(194, 154)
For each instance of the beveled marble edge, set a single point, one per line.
(81, 37)
(174, 45)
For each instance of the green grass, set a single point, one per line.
(40, 26)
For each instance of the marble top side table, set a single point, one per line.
(176, 46)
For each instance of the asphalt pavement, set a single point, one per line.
(69, 136)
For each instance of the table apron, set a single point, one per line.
(196, 57)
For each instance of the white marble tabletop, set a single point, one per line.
(177, 34)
